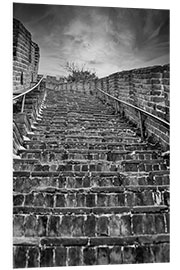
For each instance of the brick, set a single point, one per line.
(42, 225)
(60, 256)
(89, 256)
(114, 226)
(49, 200)
(77, 226)
(130, 167)
(74, 256)
(85, 168)
(70, 200)
(33, 257)
(18, 200)
(139, 198)
(60, 200)
(102, 226)
(66, 226)
(61, 181)
(128, 255)
(143, 255)
(159, 223)
(161, 253)
(46, 257)
(130, 199)
(125, 228)
(53, 226)
(19, 257)
(149, 224)
(79, 182)
(30, 225)
(90, 226)
(137, 221)
(166, 198)
(86, 181)
(115, 255)
(102, 256)
(39, 199)
(90, 200)
(102, 199)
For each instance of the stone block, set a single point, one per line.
(54, 226)
(115, 255)
(66, 226)
(78, 226)
(137, 221)
(20, 257)
(159, 223)
(60, 256)
(125, 225)
(103, 256)
(30, 225)
(102, 226)
(114, 225)
(33, 257)
(89, 256)
(149, 224)
(18, 200)
(42, 225)
(90, 200)
(90, 226)
(46, 257)
(74, 256)
(60, 200)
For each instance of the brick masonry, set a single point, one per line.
(25, 58)
(147, 88)
(86, 189)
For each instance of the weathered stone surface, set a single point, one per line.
(90, 191)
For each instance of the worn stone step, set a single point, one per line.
(26, 181)
(76, 154)
(86, 222)
(38, 143)
(95, 196)
(90, 165)
(58, 251)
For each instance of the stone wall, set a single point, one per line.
(147, 88)
(25, 58)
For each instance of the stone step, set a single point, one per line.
(90, 222)
(66, 138)
(129, 196)
(90, 165)
(77, 154)
(64, 251)
(26, 181)
(37, 142)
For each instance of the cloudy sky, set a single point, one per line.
(105, 39)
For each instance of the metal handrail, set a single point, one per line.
(137, 108)
(24, 93)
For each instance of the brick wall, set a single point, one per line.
(147, 88)
(25, 58)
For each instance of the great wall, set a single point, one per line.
(91, 165)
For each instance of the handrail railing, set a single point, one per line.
(26, 92)
(167, 124)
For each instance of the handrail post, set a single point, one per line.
(141, 125)
(23, 102)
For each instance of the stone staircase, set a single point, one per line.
(87, 190)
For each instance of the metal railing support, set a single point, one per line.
(23, 102)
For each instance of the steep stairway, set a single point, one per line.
(87, 190)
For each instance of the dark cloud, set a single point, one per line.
(107, 39)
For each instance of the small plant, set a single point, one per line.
(77, 73)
